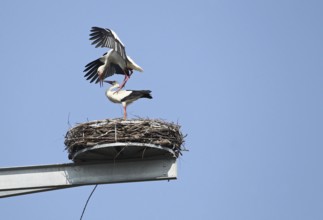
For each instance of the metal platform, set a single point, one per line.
(123, 151)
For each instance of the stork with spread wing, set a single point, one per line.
(115, 61)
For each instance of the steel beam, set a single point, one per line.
(30, 179)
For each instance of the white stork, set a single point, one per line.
(125, 97)
(115, 61)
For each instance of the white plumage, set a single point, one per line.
(125, 97)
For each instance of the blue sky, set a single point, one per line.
(243, 78)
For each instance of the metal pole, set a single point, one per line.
(30, 179)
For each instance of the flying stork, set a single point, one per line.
(115, 61)
(125, 97)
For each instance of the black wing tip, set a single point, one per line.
(146, 94)
(93, 37)
(95, 28)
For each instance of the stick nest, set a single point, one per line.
(109, 131)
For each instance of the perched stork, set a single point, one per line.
(115, 61)
(125, 97)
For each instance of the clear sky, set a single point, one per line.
(243, 78)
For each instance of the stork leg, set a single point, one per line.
(123, 83)
(125, 112)
(127, 75)
(125, 80)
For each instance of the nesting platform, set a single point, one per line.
(118, 139)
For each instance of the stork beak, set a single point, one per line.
(110, 82)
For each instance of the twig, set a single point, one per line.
(68, 120)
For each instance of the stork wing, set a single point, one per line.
(104, 37)
(136, 94)
(92, 68)
(122, 95)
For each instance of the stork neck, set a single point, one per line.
(113, 87)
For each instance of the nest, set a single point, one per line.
(109, 131)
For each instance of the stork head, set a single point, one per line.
(100, 71)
